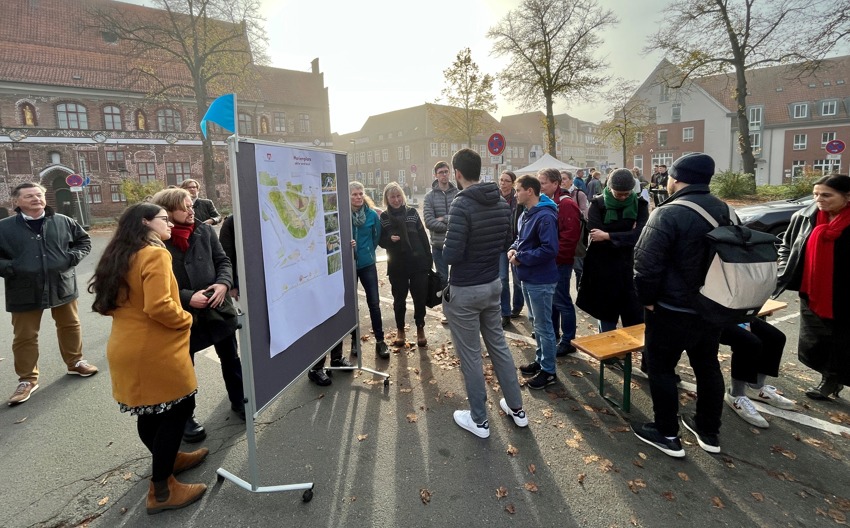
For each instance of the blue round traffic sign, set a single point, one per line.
(836, 146)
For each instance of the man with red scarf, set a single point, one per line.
(205, 276)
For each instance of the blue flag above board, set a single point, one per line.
(222, 112)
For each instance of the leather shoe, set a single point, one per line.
(193, 432)
(186, 461)
(341, 362)
(506, 320)
(381, 350)
(565, 350)
(239, 409)
(319, 377)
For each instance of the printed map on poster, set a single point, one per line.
(304, 283)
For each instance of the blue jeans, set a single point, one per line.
(440, 263)
(369, 279)
(562, 303)
(540, 304)
(505, 270)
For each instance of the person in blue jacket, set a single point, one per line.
(533, 253)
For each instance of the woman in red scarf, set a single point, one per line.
(814, 251)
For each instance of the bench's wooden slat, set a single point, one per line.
(615, 343)
(772, 306)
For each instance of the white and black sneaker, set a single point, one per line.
(519, 416)
(649, 433)
(744, 408)
(464, 419)
(708, 442)
(541, 380)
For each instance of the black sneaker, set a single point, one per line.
(649, 433)
(565, 349)
(708, 442)
(381, 350)
(319, 377)
(239, 409)
(542, 379)
(341, 362)
(506, 320)
(531, 369)
(516, 314)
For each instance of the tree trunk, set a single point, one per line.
(550, 126)
(744, 143)
(206, 144)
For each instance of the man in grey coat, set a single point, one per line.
(39, 250)
(478, 232)
(436, 211)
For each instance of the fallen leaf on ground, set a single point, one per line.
(684, 476)
(532, 469)
(638, 463)
(837, 516)
(757, 496)
(531, 486)
(590, 459)
(510, 508)
(642, 455)
(501, 492)
(352, 499)
(103, 501)
(783, 451)
(425, 495)
(362, 437)
(405, 390)
(581, 477)
(636, 485)
(22, 420)
(128, 476)
(717, 503)
(669, 495)
(412, 417)
(512, 450)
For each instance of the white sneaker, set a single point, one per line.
(519, 417)
(464, 419)
(768, 395)
(746, 410)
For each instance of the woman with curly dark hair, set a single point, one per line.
(148, 349)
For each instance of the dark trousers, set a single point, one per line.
(369, 279)
(668, 333)
(755, 351)
(227, 351)
(336, 353)
(415, 282)
(162, 433)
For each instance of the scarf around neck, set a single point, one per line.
(612, 205)
(818, 267)
(358, 218)
(180, 236)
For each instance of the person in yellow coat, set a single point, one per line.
(148, 349)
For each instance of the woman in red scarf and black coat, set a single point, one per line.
(813, 259)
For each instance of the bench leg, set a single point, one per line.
(627, 382)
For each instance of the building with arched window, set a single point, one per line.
(68, 106)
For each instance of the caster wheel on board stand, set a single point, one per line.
(308, 495)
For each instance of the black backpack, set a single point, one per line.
(741, 269)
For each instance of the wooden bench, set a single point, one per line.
(615, 347)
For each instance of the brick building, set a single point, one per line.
(69, 106)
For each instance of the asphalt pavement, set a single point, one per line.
(393, 456)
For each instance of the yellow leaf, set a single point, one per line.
(684, 476)
(717, 502)
(512, 450)
(532, 468)
(412, 417)
(103, 501)
(362, 437)
(531, 486)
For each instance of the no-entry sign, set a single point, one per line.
(496, 144)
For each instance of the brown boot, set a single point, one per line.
(399, 338)
(421, 340)
(173, 495)
(185, 461)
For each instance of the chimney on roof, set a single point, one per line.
(315, 65)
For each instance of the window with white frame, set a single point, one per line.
(797, 167)
(826, 166)
(385, 155)
(72, 116)
(369, 178)
(147, 172)
(377, 156)
(369, 157)
(279, 121)
(112, 118)
(676, 113)
(826, 137)
(386, 177)
(800, 141)
(454, 147)
(637, 161)
(662, 138)
(800, 110)
(444, 149)
(522, 152)
(434, 153)
(688, 134)
(665, 94)
(407, 152)
(755, 141)
(829, 108)
(115, 160)
(304, 123)
(95, 195)
(168, 120)
(482, 149)
(400, 150)
(662, 158)
(117, 193)
(362, 158)
(402, 176)
(638, 138)
(754, 114)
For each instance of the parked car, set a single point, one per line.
(772, 217)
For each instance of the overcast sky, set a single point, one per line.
(373, 66)
(385, 55)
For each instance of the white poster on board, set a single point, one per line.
(299, 226)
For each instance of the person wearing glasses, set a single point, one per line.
(39, 250)
(205, 277)
(148, 349)
(205, 210)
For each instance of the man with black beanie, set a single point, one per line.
(670, 268)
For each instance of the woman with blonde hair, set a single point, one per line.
(148, 349)
(408, 260)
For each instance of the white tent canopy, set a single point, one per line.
(546, 162)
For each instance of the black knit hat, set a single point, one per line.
(621, 180)
(693, 168)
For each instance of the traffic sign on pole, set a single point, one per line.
(496, 144)
(836, 146)
(74, 180)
